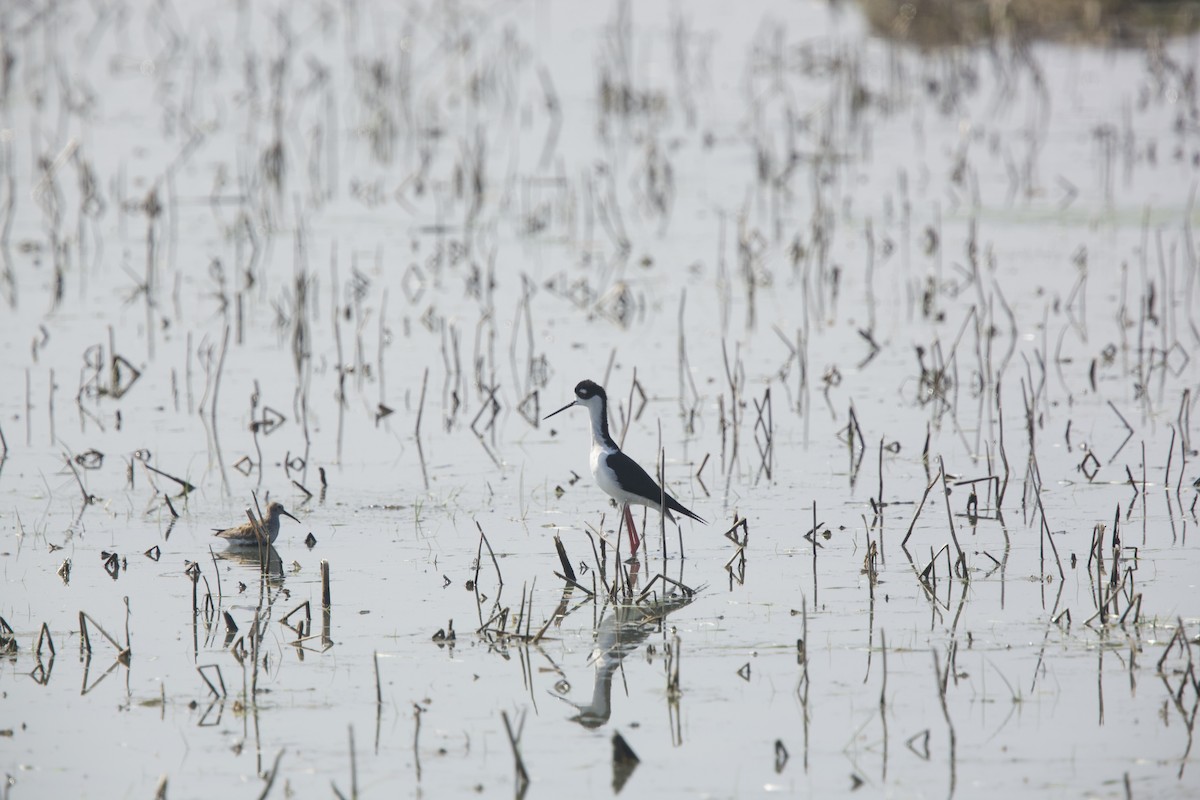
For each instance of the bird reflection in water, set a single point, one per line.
(268, 563)
(623, 629)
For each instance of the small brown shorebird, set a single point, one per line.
(244, 535)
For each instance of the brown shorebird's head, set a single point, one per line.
(275, 509)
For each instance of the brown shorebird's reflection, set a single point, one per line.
(620, 633)
(268, 563)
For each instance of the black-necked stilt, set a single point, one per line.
(616, 473)
(245, 535)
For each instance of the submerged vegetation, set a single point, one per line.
(914, 327)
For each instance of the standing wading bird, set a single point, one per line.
(616, 473)
(245, 535)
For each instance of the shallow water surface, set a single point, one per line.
(912, 327)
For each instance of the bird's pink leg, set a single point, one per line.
(634, 541)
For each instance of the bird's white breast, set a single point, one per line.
(604, 476)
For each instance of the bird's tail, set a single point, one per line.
(677, 507)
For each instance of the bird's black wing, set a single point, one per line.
(636, 480)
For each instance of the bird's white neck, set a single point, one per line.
(599, 415)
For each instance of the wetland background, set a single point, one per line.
(906, 309)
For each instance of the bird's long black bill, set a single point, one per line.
(286, 514)
(564, 408)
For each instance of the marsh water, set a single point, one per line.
(913, 325)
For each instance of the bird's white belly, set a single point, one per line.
(604, 476)
(607, 480)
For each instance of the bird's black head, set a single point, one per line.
(585, 393)
(585, 390)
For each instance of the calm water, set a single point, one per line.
(249, 244)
